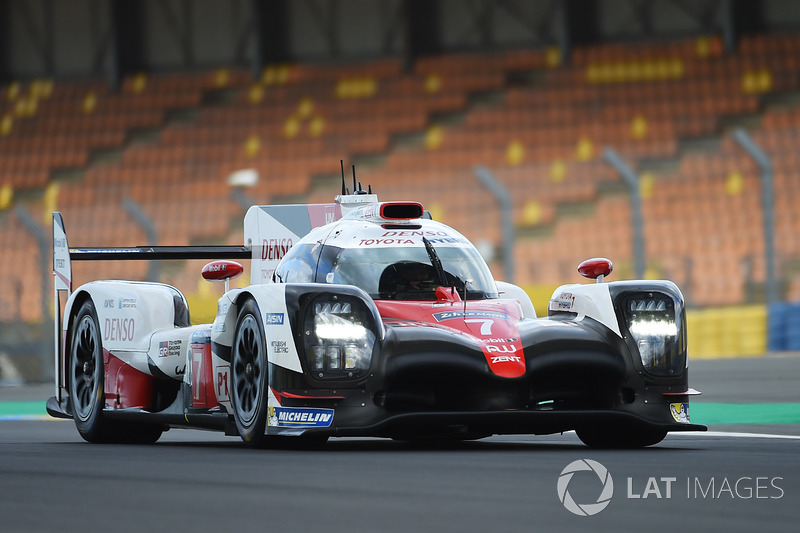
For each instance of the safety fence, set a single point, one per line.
(783, 333)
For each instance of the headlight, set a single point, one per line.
(654, 322)
(340, 334)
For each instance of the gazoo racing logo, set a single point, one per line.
(169, 348)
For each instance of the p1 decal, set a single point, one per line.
(222, 383)
(300, 417)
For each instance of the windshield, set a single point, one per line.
(407, 273)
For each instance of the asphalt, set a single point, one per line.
(733, 479)
(193, 481)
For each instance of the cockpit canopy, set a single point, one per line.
(389, 265)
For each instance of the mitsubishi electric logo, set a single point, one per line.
(585, 509)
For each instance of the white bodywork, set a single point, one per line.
(514, 292)
(271, 230)
(137, 324)
(592, 300)
(281, 350)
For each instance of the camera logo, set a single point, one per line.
(585, 509)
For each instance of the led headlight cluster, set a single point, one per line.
(339, 337)
(653, 320)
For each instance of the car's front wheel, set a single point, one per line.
(250, 376)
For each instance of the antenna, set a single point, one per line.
(466, 281)
(370, 189)
(355, 190)
(344, 189)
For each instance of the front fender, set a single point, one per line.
(280, 307)
(271, 302)
(662, 352)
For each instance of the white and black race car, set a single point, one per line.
(365, 319)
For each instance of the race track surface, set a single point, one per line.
(191, 481)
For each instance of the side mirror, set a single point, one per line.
(596, 268)
(222, 271)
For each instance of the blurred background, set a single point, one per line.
(661, 134)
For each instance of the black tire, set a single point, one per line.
(86, 375)
(250, 376)
(628, 438)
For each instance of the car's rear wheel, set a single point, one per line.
(87, 387)
(609, 438)
(86, 377)
(250, 376)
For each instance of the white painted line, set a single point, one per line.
(731, 434)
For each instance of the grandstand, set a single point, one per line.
(537, 113)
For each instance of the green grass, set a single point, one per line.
(745, 413)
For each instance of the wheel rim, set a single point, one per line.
(85, 363)
(247, 369)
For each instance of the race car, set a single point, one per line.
(365, 318)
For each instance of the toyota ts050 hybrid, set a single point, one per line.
(365, 318)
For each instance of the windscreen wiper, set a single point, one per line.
(435, 261)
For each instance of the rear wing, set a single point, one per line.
(63, 255)
(269, 231)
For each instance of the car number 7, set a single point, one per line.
(486, 324)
